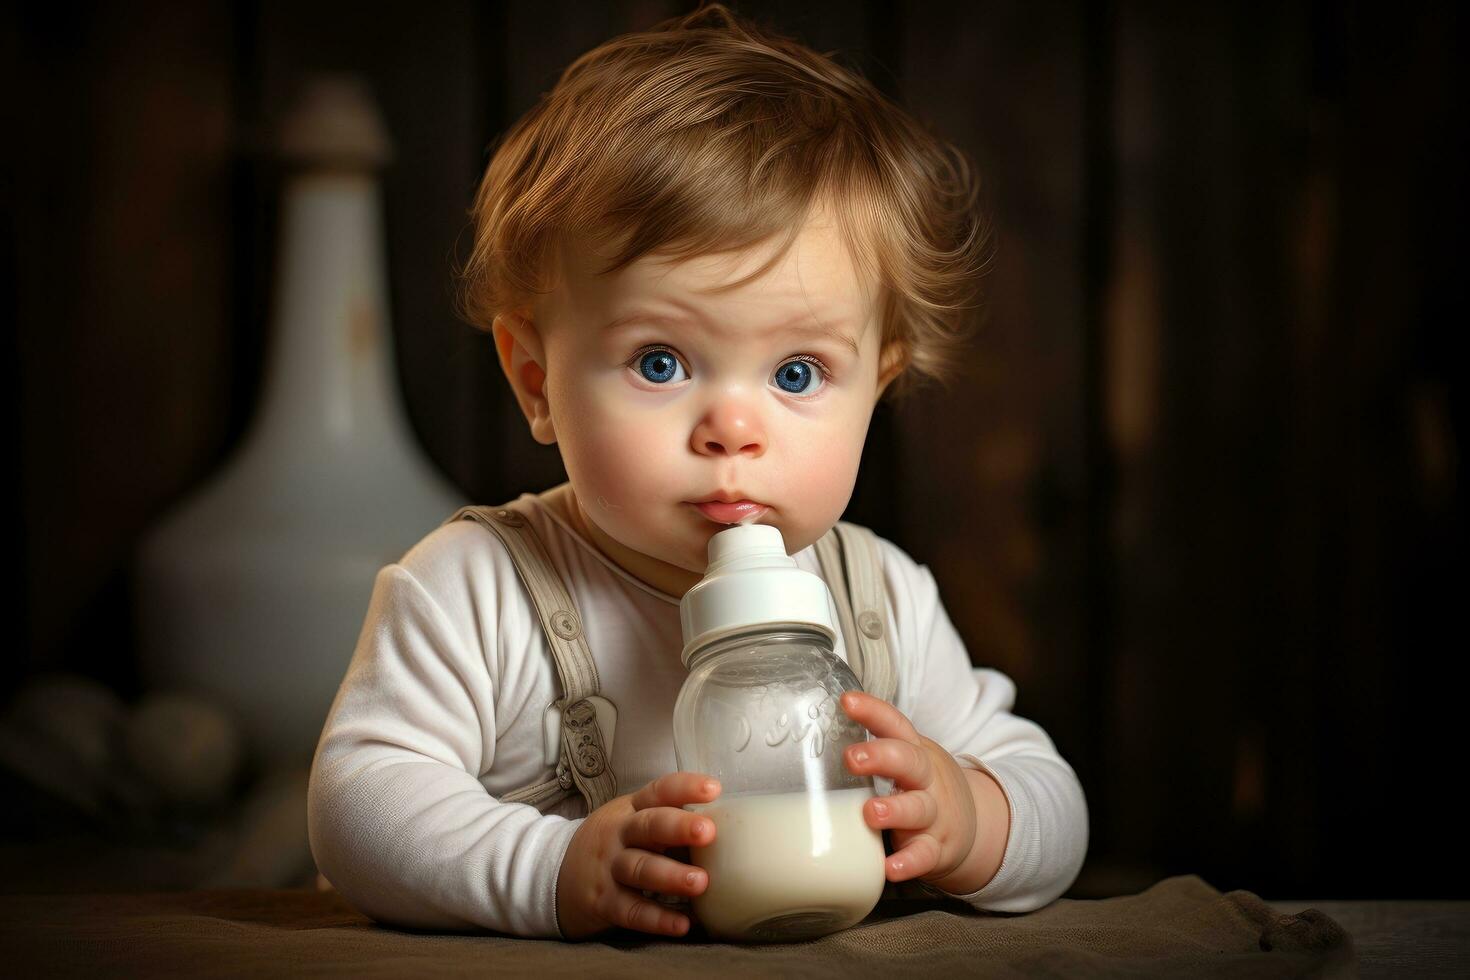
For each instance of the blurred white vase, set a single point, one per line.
(253, 590)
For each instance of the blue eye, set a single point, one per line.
(659, 366)
(796, 377)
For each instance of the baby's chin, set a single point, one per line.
(689, 556)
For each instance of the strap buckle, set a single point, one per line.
(578, 719)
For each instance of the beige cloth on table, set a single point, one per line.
(1179, 927)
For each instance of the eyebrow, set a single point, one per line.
(800, 325)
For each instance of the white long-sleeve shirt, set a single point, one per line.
(441, 711)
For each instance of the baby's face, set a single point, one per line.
(664, 393)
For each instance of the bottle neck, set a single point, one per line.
(329, 379)
(785, 633)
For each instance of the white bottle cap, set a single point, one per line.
(751, 581)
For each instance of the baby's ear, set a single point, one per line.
(523, 359)
(891, 362)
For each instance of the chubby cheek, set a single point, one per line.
(610, 457)
(815, 477)
(629, 470)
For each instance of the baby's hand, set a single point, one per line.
(932, 821)
(618, 851)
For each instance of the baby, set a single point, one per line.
(704, 257)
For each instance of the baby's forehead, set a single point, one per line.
(815, 277)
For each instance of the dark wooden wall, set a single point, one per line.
(1197, 492)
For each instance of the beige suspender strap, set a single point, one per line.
(850, 560)
(584, 760)
(829, 556)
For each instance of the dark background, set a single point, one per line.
(1197, 493)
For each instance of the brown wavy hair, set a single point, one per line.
(710, 134)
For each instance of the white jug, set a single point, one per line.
(252, 591)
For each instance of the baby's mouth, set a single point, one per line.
(733, 512)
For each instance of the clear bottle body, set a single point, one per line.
(793, 857)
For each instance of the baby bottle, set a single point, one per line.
(792, 857)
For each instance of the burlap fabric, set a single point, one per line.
(1180, 927)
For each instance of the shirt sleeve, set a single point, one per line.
(398, 819)
(968, 711)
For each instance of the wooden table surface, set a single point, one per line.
(1401, 938)
(1389, 938)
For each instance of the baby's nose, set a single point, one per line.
(714, 448)
(729, 429)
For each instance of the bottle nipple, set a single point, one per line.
(746, 542)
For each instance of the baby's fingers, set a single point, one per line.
(645, 870)
(918, 857)
(676, 789)
(626, 908)
(908, 765)
(664, 827)
(915, 810)
(879, 717)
